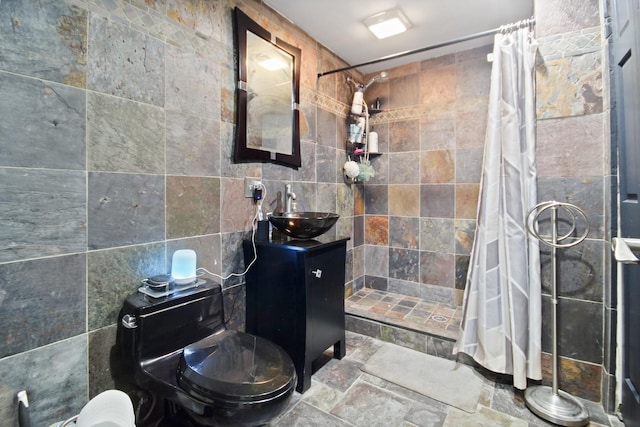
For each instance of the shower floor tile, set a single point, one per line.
(405, 311)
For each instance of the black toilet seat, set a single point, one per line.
(235, 366)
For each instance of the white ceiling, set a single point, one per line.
(337, 24)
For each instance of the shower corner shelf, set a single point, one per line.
(372, 112)
(371, 155)
(351, 147)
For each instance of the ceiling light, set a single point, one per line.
(387, 23)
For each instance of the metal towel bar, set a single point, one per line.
(623, 248)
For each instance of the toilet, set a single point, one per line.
(177, 348)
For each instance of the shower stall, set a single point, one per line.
(414, 221)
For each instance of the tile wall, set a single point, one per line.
(116, 131)
(419, 209)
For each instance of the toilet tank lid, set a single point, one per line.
(141, 304)
(235, 365)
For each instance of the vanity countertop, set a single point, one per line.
(302, 244)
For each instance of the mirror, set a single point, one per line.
(268, 128)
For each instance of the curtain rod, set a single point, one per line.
(509, 27)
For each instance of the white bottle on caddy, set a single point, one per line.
(372, 142)
(356, 106)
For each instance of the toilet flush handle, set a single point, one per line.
(129, 321)
(317, 273)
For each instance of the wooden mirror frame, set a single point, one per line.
(243, 153)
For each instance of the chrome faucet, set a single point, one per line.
(290, 196)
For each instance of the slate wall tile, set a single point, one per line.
(125, 209)
(26, 24)
(43, 301)
(580, 325)
(404, 232)
(193, 206)
(193, 145)
(124, 136)
(55, 377)
(114, 274)
(43, 124)
(43, 212)
(192, 82)
(125, 62)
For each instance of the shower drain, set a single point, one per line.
(439, 318)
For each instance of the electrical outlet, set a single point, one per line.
(249, 185)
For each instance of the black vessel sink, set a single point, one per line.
(304, 225)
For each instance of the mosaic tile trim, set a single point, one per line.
(399, 114)
(311, 96)
(570, 44)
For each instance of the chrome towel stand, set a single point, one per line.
(550, 403)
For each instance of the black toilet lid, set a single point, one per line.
(232, 365)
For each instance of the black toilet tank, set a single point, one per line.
(153, 327)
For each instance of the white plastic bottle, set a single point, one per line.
(372, 142)
(360, 129)
(356, 106)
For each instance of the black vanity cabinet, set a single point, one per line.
(295, 298)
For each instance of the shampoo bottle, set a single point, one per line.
(356, 106)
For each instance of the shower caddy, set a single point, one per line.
(550, 403)
(359, 151)
(358, 166)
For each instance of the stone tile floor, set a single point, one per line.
(405, 311)
(342, 395)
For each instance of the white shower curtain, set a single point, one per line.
(501, 325)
